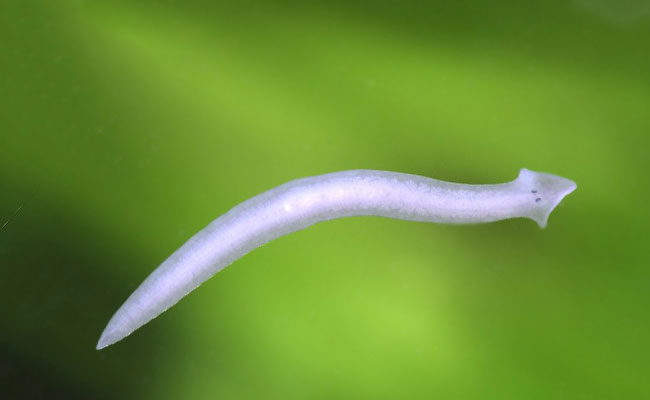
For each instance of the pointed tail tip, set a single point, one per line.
(103, 342)
(108, 337)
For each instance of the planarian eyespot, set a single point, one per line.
(537, 200)
(533, 191)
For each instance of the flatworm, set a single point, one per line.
(304, 202)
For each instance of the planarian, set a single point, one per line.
(304, 202)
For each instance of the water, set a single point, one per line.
(125, 128)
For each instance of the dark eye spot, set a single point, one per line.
(537, 200)
(533, 191)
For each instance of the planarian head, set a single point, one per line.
(546, 191)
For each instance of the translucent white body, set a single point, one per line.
(303, 202)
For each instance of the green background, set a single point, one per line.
(125, 127)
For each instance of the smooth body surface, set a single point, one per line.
(304, 202)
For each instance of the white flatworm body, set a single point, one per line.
(304, 202)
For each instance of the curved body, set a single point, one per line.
(304, 202)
